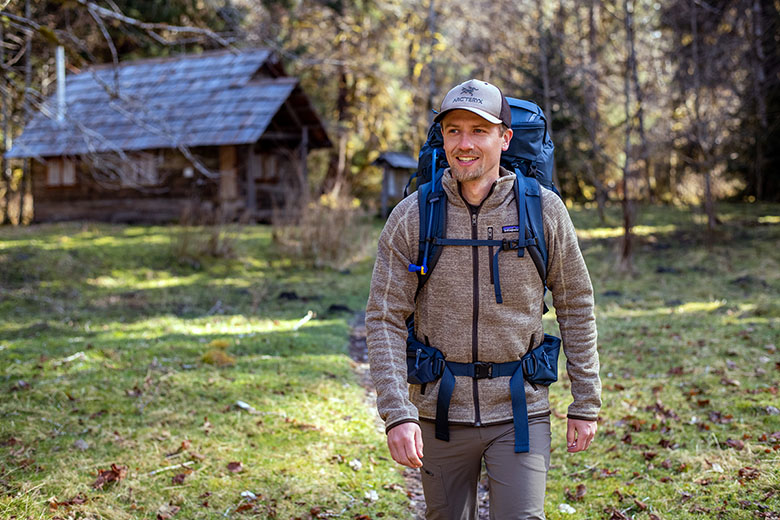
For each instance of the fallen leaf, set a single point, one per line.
(179, 479)
(581, 491)
(616, 515)
(77, 500)
(641, 505)
(735, 443)
(197, 456)
(749, 473)
(166, 512)
(244, 507)
(115, 474)
(235, 467)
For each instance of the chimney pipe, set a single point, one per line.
(60, 83)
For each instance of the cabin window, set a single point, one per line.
(141, 169)
(60, 172)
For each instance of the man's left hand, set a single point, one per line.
(579, 434)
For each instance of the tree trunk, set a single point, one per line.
(4, 169)
(626, 251)
(759, 92)
(701, 141)
(431, 101)
(25, 187)
(644, 155)
(593, 118)
(335, 178)
(547, 94)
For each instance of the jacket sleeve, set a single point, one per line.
(390, 302)
(572, 292)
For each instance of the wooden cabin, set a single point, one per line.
(397, 167)
(225, 133)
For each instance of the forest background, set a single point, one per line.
(661, 102)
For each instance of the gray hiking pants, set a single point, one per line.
(517, 481)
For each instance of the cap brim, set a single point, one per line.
(481, 113)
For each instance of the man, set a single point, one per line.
(456, 312)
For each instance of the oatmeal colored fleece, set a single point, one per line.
(457, 311)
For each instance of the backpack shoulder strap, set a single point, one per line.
(529, 208)
(432, 202)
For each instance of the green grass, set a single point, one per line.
(689, 367)
(139, 322)
(688, 361)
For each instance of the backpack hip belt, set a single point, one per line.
(426, 364)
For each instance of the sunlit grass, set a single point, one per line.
(105, 329)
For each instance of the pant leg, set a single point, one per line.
(450, 472)
(518, 480)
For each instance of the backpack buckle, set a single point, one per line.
(483, 370)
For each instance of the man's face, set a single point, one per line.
(473, 145)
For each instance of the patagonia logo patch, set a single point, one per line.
(510, 229)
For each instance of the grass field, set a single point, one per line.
(199, 380)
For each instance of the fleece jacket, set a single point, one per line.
(457, 313)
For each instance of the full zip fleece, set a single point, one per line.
(456, 310)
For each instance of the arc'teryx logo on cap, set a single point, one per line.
(479, 97)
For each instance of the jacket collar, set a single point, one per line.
(500, 191)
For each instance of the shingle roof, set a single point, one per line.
(397, 160)
(211, 99)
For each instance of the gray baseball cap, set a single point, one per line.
(479, 97)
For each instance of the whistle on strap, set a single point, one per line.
(422, 269)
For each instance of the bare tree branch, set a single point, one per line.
(150, 28)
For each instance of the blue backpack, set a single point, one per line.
(530, 156)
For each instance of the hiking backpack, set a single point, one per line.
(529, 156)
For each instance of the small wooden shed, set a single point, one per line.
(225, 131)
(397, 168)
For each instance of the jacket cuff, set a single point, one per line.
(582, 417)
(402, 421)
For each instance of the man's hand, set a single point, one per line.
(406, 445)
(579, 434)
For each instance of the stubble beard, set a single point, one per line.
(467, 175)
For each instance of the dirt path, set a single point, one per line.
(358, 353)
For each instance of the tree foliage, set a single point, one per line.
(705, 80)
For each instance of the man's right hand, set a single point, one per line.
(406, 445)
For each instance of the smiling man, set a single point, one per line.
(455, 312)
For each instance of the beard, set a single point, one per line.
(467, 175)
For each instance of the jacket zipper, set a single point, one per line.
(475, 316)
(490, 253)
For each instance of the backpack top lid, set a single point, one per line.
(531, 148)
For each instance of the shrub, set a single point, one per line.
(329, 231)
(201, 235)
